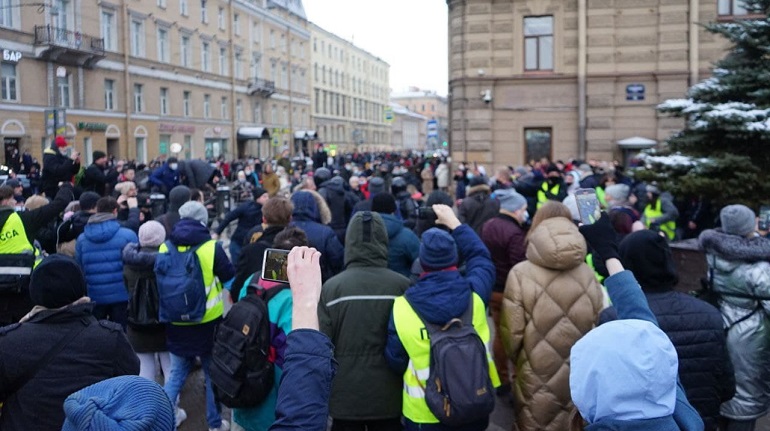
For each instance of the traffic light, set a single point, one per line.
(444, 144)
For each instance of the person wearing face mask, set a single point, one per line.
(165, 177)
(505, 236)
(553, 187)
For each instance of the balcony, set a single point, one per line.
(67, 47)
(262, 87)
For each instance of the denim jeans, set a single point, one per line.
(180, 369)
(235, 251)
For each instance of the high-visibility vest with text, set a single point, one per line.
(651, 213)
(214, 306)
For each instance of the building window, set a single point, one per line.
(538, 143)
(223, 108)
(221, 18)
(272, 39)
(205, 57)
(8, 13)
(284, 77)
(317, 101)
(163, 45)
(206, 106)
(301, 53)
(204, 13)
(239, 109)
(223, 61)
(63, 15)
(315, 45)
(538, 43)
(183, 8)
(257, 113)
(731, 7)
(109, 95)
(237, 24)
(285, 115)
(138, 98)
(184, 53)
(8, 72)
(186, 103)
(283, 42)
(164, 101)
(137, 38)
(274, 115)
(64, 92)
(109, 33)
(162, 3)
(256, 64)
(273, 74)
(256, 37)
(238, 65)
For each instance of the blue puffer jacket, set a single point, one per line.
(307, 217)
(164, 177)
(403, 245)
(99, 252)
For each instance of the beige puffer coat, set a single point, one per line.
(551, 300)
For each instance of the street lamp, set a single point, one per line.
(61, 73)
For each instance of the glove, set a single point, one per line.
(602, 238)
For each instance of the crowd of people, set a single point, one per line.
(587, 332)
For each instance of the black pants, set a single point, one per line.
(378, 425)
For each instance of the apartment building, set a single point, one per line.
(433, 107)
(350, 94)
(409, 129)
(573, 78)
(222, 78)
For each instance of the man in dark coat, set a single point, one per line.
(309, 217)
(478, 206)
(340, 203)
(83, 350)
(179, 196)
(505, 235)
(95, 179)
(695, 327)
(376, 186)
(248, 214)
(165, 177)
(57, 168)
(197, 173)
(353, 311)
(276, 214)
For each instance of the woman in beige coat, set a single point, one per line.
(551, 300)
(427, 179)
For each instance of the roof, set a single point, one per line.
(418, 95)
(293, 6)
(401, 110)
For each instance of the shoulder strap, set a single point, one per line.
(466, 317)
(46, 359)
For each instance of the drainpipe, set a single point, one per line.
(130, 149)
(694, 42)
(582, 71)
(233, 146)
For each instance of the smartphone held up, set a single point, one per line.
(588, 205)
(275, 265)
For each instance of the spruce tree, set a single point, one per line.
(724, 150)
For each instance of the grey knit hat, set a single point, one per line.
(194, 210)
(618, 192)
(738, 220)
(510, 200)
(151, 234)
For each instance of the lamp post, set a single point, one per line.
(58, 118)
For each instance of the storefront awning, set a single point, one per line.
(246, 133)
(637, 143)
(306, 135)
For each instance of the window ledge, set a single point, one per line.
(730, 18)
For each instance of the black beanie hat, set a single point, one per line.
(88, 201)
(384, 203)
(56, 282)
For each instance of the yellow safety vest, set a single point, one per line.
(13, 240)
(541, 196)
(650, 213)
(214, 306)
(413, 335)
(600, 193)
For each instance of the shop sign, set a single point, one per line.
(92, 127)
(635, 92)
(172, 128)
(11, 56)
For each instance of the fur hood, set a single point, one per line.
(303, 207)
(481, 188)
(733, 247)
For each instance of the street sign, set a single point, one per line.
(388, 114)
(635, 92)
(432, 128)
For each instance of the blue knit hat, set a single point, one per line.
(126, 403)
(438, 250)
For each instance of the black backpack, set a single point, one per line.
(458, 390)
(242, 367)
(144, 303)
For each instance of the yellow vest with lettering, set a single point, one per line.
(214, 306)
(541, 196)
(13, 237)
(650, 213)
(413, 335)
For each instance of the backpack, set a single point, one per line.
(242, 369)
(181, 292)
(144, 304)
(458, 390)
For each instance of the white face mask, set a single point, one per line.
(173, 166)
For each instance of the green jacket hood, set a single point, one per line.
(366, 241)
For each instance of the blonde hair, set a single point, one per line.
(34, 202)
(125, 187)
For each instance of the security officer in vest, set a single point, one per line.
(553, 187)
(17, 253)
(185, 341)
(660, 214)
(440, 295)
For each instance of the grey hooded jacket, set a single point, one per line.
(741, 266)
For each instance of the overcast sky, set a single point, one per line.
(411, 35)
